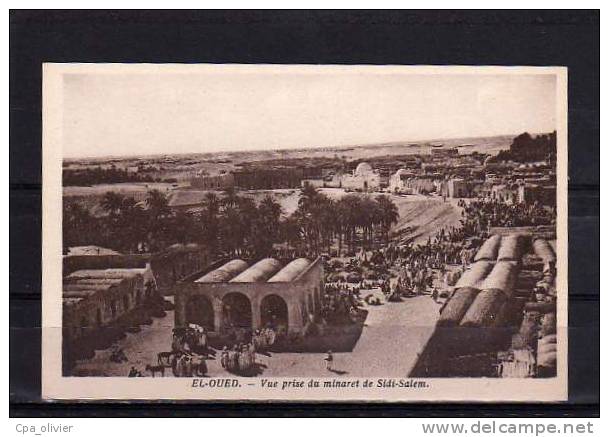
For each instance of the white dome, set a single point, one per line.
(363, 168)
(401, 172)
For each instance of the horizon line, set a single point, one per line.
(341, 146)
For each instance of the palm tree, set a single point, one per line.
(308, 196)
(291, 233)
(325, 220)
(230, 197)
(389, 214)
(157, 203)
(248, 219)
(131, 224)
(212, 202)
(269, 211)
(112, 203)
(230, 229)
(161, 229)
(209, 221)
(341, 223)
(368, 217)
(263, 222)
(307, 217)
(352, 207)
(77, 225)
(183, 228)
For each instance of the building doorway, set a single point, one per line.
(274, 312)
(236, 311)
(200, 311)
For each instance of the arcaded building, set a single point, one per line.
(238, 294)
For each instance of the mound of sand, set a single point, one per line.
(423, 218)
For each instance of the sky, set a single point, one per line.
(216, 110)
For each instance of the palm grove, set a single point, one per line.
(233, 224)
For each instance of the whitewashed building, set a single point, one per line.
(364, 178)
(398, 182)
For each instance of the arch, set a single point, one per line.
(236, 310)
(200, 311)
(274, 312)
(98, 317)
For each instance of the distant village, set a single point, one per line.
(450, 172)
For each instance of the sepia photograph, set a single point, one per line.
(300, 232)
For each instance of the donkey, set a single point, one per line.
(154, 369)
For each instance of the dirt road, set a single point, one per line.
(393, 336)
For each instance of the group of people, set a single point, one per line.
(449, 246)
(117, 355)
(134, 373)
(409, 283)
(191, 338)
(340, 303)
(236, 334)
(263, 339)
(419, 265)
(239, 359)
(481, 215)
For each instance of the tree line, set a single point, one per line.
(528, 148)
(234, 225)
(113, 175)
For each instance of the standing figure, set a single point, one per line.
(329, 360)
(434, 294)
(224, 357)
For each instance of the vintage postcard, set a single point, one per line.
(304, 233)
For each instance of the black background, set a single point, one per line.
(547, 38)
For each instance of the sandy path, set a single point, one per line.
(393, 336)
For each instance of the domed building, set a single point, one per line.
(363, 169)
(364, 178)
(398, 182)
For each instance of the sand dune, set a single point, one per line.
(424, 217)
